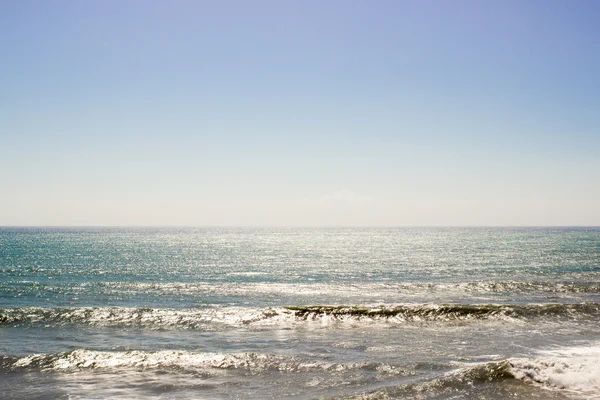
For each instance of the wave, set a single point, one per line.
(445, 312)
(575, 370)
(147, 318)
(528, 287)
(338, 289)
(213, 318)
(578, 376)
(174, 360)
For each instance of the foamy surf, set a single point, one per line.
(210, 318)
(574, 369)
(83, 359)
(514, 378)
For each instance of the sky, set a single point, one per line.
(301, 113)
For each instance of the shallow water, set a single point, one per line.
(255, 313)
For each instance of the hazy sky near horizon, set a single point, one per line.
(300, 113)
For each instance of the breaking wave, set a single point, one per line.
(83, 359)
(146, 318)
(579, 379)
(445, 312)
(212, 318)
(575, 371)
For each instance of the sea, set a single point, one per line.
(300, 313)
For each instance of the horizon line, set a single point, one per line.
(299, 226)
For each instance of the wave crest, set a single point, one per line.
(444, 312)
(213, 318)
(576, 369)
(188, 361)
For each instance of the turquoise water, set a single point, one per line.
(240, 312)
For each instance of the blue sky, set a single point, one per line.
(300, 113)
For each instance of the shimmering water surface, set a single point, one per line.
(290, 313)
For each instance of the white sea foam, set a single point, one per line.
(205, 362)
(575, 369)
(82, 358)
(211, 318)
(151, 318)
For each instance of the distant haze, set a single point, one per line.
(342, 113)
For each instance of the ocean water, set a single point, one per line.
(294, 313)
